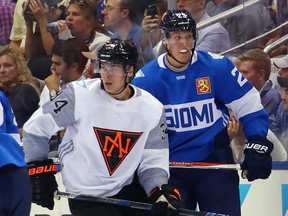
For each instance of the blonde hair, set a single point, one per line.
(24, 74)
(88, 9)
(260, 59)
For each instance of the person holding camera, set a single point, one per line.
(151, 28)
(41, 41)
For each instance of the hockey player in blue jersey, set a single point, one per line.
(196, 89)
(15, 186)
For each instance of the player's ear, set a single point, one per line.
(164, 42)
(130, 73)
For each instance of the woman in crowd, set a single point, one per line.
(18, 84)
(81, 20)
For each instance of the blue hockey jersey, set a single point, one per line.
(197, 99)
(10, 150)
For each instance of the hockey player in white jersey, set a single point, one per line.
(196, 89)
(113, 129)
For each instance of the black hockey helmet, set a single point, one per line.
(117, 51)
(177, 20)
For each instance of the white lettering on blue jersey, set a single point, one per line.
(192, 116)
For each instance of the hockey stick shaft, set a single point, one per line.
(127, 203)
(204, 165)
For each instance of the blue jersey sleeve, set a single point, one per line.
(7, 122)
(239, 95)
(10, 150)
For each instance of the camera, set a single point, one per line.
(152, 10)
(29, 14)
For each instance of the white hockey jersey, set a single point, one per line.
(106, 140)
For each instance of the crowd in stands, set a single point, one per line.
(28, 45)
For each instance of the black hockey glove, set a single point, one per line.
(165, 201)
(43, 182)
(258, 162)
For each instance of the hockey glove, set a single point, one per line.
(165, 201)
(258, 162)
(43, 182)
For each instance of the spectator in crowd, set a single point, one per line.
(121, 20)
(81, 22)
(19, 84)
(282, 11)
(282, 48)
(244, 25)
(213, 38)
(196, 89)
(7, 8)
(110, 168)
(279, 123)
(40, 42)
(100, 5)
(15, 192)
(214, 7)
(151, 30)
(68, 63)
(255, 65)
(18, 31)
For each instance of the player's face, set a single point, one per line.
(8, 70)
(180, 45)
(113, 77)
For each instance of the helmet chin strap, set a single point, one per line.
(117, 92)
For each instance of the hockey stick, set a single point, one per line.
(204, 165)
(127, 203)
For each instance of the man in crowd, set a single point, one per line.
(279, 124)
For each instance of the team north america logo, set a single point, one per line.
(115, 145)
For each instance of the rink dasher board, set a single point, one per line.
(261, 197)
